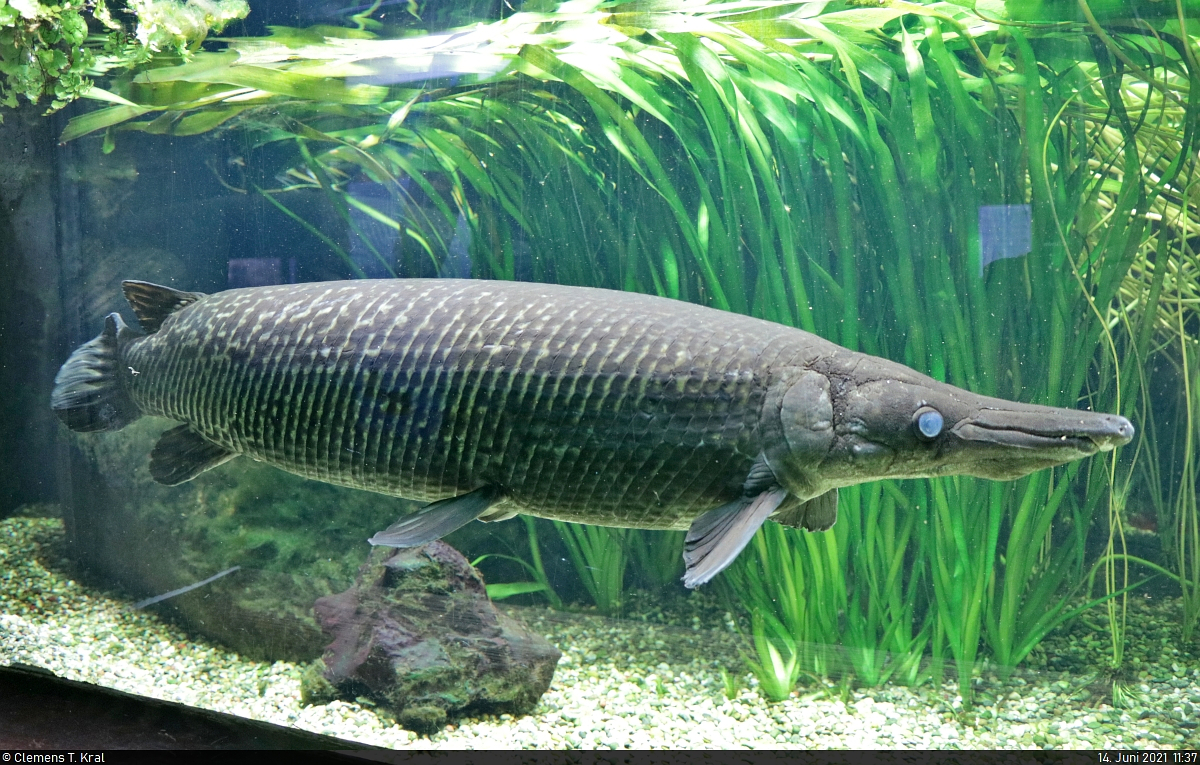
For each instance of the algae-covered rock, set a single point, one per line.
(417, 636)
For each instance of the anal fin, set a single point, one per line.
(181, 454)
(438, 519)
(816, 514)
(717, 537)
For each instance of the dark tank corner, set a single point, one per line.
(30, 307)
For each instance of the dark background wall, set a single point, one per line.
(30, 330)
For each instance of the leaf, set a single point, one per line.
(295, 85)
(222, 68)
(100, 119)
(863, 18)
(100, 94)
(201, 64)
(398, 116)
(508, 589)
(204, 121)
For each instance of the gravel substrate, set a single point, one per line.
(629, 683)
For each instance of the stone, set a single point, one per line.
(417, 636)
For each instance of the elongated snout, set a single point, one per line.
(1006, 440)
(1046, 428)
(915, 427)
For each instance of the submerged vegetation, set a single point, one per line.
(49, 49)
(829, 165)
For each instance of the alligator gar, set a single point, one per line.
(489, 399)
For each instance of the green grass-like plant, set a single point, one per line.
(540, 583)
(657, 557)
(790, 584)
(600, 558)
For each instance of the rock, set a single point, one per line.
(418, 636)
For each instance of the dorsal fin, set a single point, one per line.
(153, 303)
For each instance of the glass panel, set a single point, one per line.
(881, 433)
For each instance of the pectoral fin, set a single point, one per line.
(717, 537)
(181, 454)
(438, 519)
(816, 514)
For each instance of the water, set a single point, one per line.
(647, 154)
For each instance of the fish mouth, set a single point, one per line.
(1008, 444)
(1047, 430)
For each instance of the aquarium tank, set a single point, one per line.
(953, 506)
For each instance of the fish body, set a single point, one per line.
(585, 405)
(490, 398)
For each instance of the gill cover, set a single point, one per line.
(807, 418)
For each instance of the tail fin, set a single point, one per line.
(88, 394)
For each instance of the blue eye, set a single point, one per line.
(929, 423)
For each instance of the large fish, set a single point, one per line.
(494, 398)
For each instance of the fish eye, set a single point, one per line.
(928, 422)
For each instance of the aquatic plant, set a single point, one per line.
(820, 165)
(1158, 305)
(887, 630)
(783, 582)
(776, 671)
(1169, 463)
(599, 556)
(541, 582)
(48, 50)
(42, 53)
(1150, 136)
(169, 25)
(837, 603)
(657, 556)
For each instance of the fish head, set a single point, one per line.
(906, 425)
